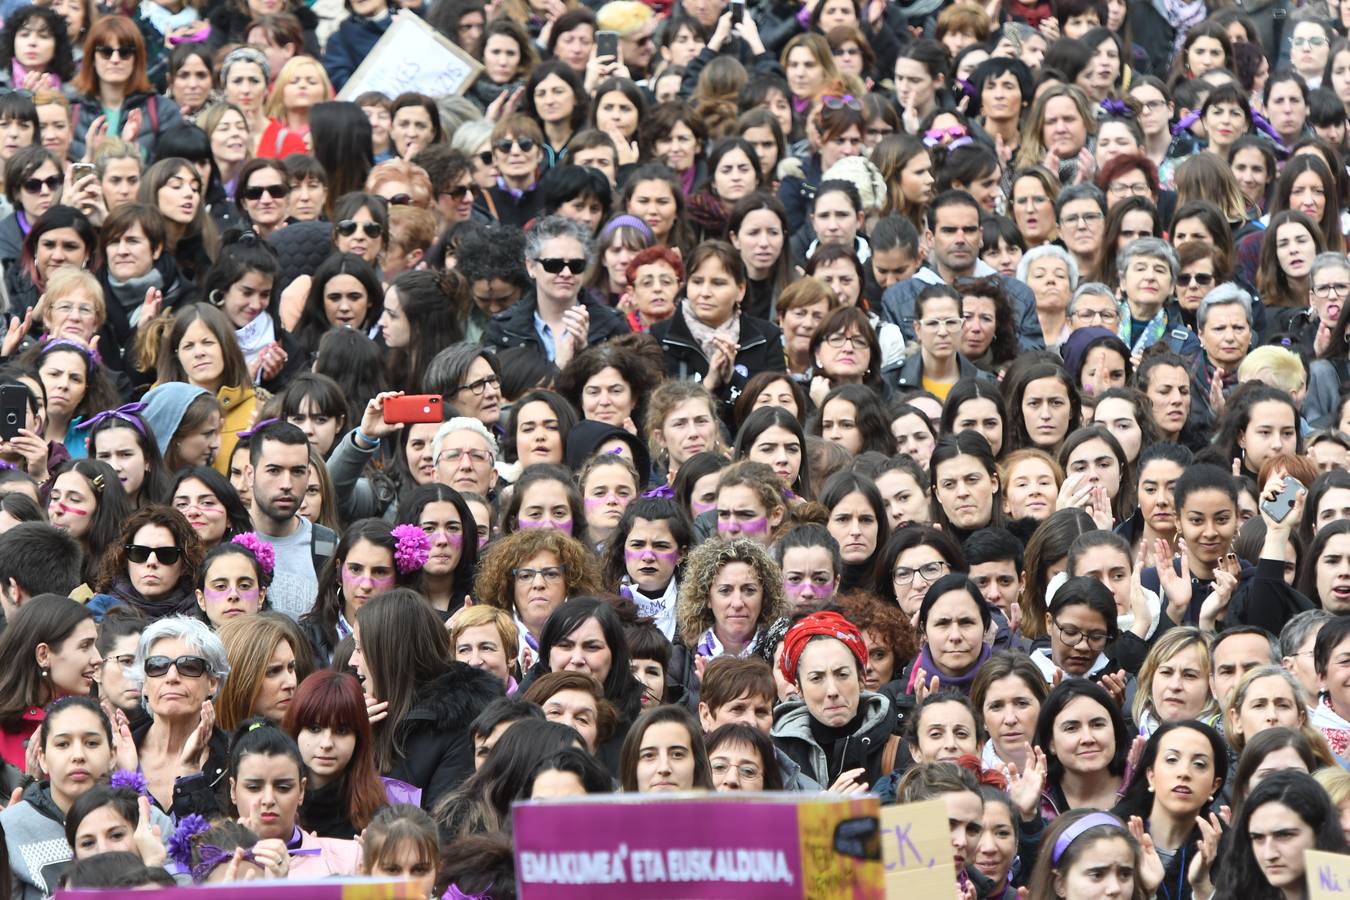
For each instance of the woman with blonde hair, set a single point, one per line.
(744, 568)
(487, 638)
(715, 96)
(72, 306)
(801, 307)
(1056, 135)
(1270, 697)
(299, 85)
(1205, 176)
(263, 662)
(1174, 682)
(681, 421)
(809, 65)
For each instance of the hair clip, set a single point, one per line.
(411, 548)
(97, 482)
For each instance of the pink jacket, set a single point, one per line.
(335, 857)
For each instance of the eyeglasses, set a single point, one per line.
(1149, 106)
(479, 457)
(35, 185)
(1072, 635)
(504, 145)
(551, 574)
(124, 660)
(187, 666)
(748, 772)
(941, 324)
(857, 341)
(847, 101)
(1305, 43)
(849, 50)
(555, 266)
(1331, 290)
(400, 200)
(455, 193)
(65, 308)
(1204, 279)
(1102, 315)
(275, 191)
(482, 384)
(139, 553)
(1081, 219)
(929, 572)
(106, 52)
(1127, 189)
(347, 228)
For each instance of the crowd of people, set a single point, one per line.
(933, 401)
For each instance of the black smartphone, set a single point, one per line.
(1283, 504)
(737, 8)
(607, 44)
(13, 410)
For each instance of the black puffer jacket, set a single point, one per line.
(761, 350)
(301, 247)
(437, 752)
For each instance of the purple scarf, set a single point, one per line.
(955, 682)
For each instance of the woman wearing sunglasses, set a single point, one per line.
(361, 225)
(517, 152)
(261, 192)
(112, 87)
(181, 662)
(151, 566)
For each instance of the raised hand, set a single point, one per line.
(154, 301)
(14, 334)
(1151, 869)
(848, 783)
(1215, 606)
(1176, 586)
(1024, 788)
(147, 836)
(1208, 850)
(128, 760)
(193, 758)
(1114, 683)
(1143, 614)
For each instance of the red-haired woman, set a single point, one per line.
(327, 717)
(112, 86)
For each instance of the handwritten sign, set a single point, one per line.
(412, 56)
(916, 851)
(728, 846)
(1328, 874)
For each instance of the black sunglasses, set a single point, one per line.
(35, 185)
(504, 145)
(485, 157)
(554, 266)
(106, 52)
(275, 191)
(139, 553)
(458, 193)
(188, 666)
(347, 228)
(400, 200)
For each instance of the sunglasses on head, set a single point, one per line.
(275, 191)
(188, 666)
(139, 553)
(347, 228)
(555, 266)
(504, 145)
(35, 185)
(846, 101)
(106, 52)
(400, 200)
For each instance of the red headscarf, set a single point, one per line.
(829, 624)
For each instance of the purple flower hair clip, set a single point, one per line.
(264, 552)
(124, 778)
(1114, 107)
(180, 844)
(411, 548)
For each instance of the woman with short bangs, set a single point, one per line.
(112, 84)
(837, 357)
(487, 638)
(839, 131)
(609, 384)
(343, 791)
(518, 154)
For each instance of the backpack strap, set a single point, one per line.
(322, 545)
(889, 753)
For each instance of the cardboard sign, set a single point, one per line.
(1328, 874)
(328, 889)
(731, 846)
(412, 56)
(916, 851)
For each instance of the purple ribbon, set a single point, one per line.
(454, 893)
(1185, 122)
(257, 428)
(211, 856)
(1264, 125)
(1116, 107)
(50, 343)
(127, 412)
(1074, 831)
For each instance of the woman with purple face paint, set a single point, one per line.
(545, 497)
(643, 557)
(363, 565)
(451, 525)
(234, 579)
(750, 502)
(608, 484)
(732, 591)
(809, 558)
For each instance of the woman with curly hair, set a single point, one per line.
(988, 330)
(531, 573)
(889, 638)
(609, 384)
(151, 566)
(731, 592)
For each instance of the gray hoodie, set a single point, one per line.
(35, 836)
(791, 733)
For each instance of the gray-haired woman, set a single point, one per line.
(180, 663)
(1149, 314)
(1052, 274)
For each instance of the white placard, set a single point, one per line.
(412, 56)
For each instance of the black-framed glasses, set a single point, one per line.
(856, 341)
(550, 573)
(139, 553)
(347, 228)
(106, 52)
(505, 144)
(1072, 635)
(275, 191)
(35, 185)
(555, 266)
(401, 200)
(477, 387)
(929, 572)
(1204, 279)
(187, 666)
